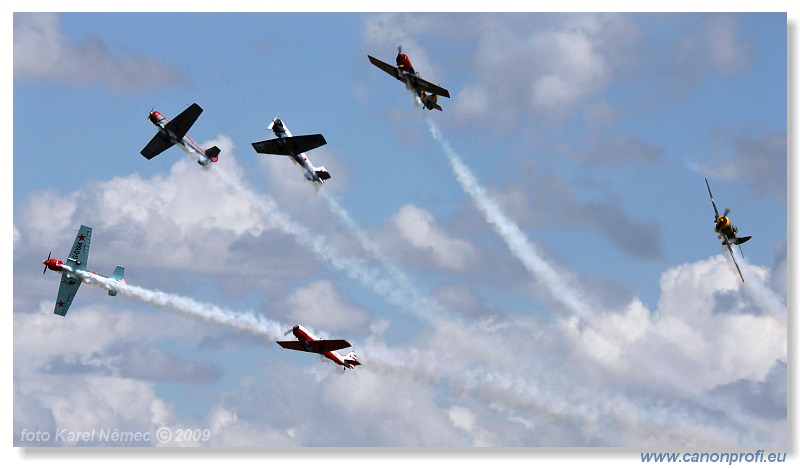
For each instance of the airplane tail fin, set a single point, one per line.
(743, 239)
(213, 154)
(351, 360)
(119, 276)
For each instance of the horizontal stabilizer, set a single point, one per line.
(432, 105)
(322, 173)
(290, 146)
(213, 153)
(743, 239)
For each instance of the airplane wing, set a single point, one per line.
(184, 121)
(158, 144)
(290, 145)
(727, 243)
(79, 255)
(66, 293)
(430, 87)
(393, 71)
(716, 212)
(418, 82)
(317, 346)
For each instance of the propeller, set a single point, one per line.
(399, 49)
(45, 262)
(727, 211)
(289, 331)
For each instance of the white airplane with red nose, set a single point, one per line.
(174, 132)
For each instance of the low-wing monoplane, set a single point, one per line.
(174, 132)
(71, 271)
(295, 148)
(426, 91)
(308, 342)
(726, 231)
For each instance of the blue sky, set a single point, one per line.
(611, 319)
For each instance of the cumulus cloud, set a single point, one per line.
(419, 228)
(703, 337)
(84, 375)
(134, 216)
(320, 306)
(42, 51)
(542, 64)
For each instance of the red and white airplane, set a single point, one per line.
(174, 131)
(308, 342)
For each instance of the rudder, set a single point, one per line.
(119, 276)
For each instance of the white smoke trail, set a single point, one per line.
(508, 394)
(356, 269)
(421, 366)
(246, 321)
(414, 300)
(580, 409)
(516, 240)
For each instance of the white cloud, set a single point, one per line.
(691, 338)
(42, 51)
(462, 418)
(320, 306)
(576, 71)
(67, 377)
(542, 64)
(418, 226)
(165, 221)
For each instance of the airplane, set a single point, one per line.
(71, 271)
(419, 87)
(294, 147)
(308, 342)
(726, 231)
(174, 131)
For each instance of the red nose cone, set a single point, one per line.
(53, 264)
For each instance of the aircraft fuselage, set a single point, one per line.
(186, 143)
(306, 337)
(300, 158)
